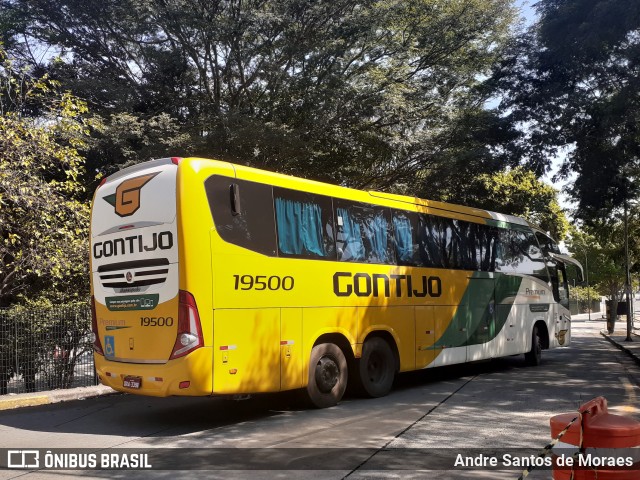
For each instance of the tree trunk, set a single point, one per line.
(613, 314)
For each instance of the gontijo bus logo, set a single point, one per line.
(126, 200)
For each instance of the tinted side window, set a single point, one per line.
(487, 245)
(363, 233)
(254, 226)
(436, 237)
(532, 260)
(468, 253)
(562, 286)
(405, 238)
(426, 240)
(304, 223)
(505, 252)
(449, 243)
(519, 252)
(547, 244)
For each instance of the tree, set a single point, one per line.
(130, 139)
(361, 93)
(600, 242)
(573, 84)
(43, 225)
(584, 296)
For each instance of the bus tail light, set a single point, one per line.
(189, 336)
(97, 345)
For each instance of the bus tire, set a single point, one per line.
(328, 375)
(376, 368)
(534, 356)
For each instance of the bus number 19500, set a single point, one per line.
(262, 282)
(156, 321)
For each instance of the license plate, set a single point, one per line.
(132, 382)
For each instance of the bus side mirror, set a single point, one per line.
(575, 274)
(580, 275)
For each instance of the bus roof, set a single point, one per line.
(283, 180)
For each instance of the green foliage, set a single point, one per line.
(43, 225)
(10, 24)
(603, 245)
(584, 294)
(573, 81)
(131, 138)
(367, 93)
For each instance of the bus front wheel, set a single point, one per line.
(534, 356)
(376, 368)
(328, 375)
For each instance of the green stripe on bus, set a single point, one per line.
(483, 312)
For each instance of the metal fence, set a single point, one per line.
(582, 306)
(45, 348)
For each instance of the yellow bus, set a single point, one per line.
(210, 278)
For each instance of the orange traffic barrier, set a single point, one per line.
(599, 445)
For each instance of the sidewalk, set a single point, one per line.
(10, 401)
(619, 336)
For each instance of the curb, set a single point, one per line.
(630, 353)
(20, 400)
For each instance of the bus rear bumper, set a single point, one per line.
(190, 375)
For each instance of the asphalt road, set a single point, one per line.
(500, 406)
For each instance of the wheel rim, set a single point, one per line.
(327, 374)
(376, 370)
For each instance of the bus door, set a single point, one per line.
(560, 329)
(481, 315)
(562, 322)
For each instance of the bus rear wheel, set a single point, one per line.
(534, 356)
(376, 368)
(328, 375)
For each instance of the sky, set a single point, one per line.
(528, 12)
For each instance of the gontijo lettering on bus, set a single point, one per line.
(133, 244)
(378, 284)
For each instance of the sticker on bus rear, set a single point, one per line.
(132, 302)
(109, 346)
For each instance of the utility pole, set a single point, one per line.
(628, 275)
(586, 271)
